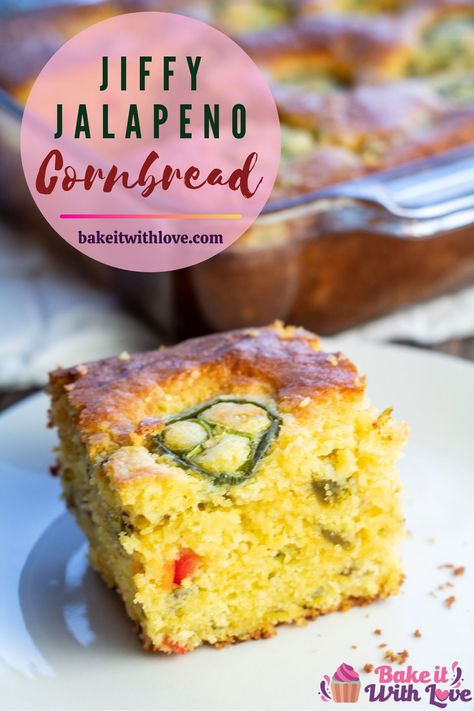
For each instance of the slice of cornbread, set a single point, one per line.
(231, 483)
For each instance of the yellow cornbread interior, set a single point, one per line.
(313, 528)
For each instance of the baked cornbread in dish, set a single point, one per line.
(231, 483)
(361, 85)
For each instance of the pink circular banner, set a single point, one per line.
(150, 141)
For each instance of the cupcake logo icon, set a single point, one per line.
(342, 687)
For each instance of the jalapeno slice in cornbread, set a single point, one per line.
(223, 439)
(446, 45)
(231, 483)
(184, 436)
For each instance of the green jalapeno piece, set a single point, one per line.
(458, 88)
(334, 537)
(223, 439)
(328, 491)
(446, 45)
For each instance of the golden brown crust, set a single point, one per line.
(29, 39)
(110, 397)
(368, 112)
(309, 614)
(346, 44)
(328, 166)
(456, 129)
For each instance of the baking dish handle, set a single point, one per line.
(419, 199)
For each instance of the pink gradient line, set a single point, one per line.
(167, 216)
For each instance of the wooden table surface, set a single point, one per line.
(463, 348)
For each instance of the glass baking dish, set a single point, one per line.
(328, 260)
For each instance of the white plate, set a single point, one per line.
(65, 642)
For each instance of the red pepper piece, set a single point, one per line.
(186, 565)
(174, 646)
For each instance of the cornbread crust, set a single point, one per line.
(110, 398)
(38, 34)
(348, 45)
(268, 632)
(345, 44)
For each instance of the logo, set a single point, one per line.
(437, 686)
(150, 141)
(344, 687)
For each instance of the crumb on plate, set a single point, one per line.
(397, 657)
